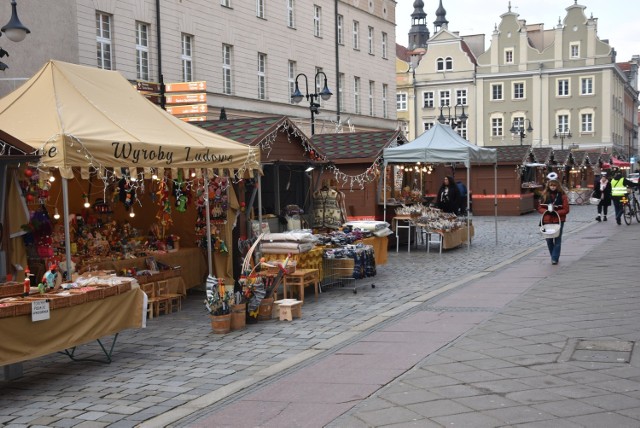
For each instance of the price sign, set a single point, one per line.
(40, 310)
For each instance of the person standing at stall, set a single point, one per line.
(602, 191)
(554, 201)
(448, 196)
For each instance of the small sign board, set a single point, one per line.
(154, 98)
(40, 310)
(188, 109)
(193, 118)
(187, 98)
(186, 86)
(148, 86)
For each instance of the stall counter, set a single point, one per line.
(23, 339)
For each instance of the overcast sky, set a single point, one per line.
(618, 20)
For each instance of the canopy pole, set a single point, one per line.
(384, 190)
(468, 211)
(259, 252)
(208, 220)
(67, 233)
(495, 198)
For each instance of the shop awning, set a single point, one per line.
(619, 163)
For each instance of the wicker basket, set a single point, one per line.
(77, 299)
(23, 308)
(57, 301)
(10, 289)
(123, 287)
(109, 290)
(95, 294)
(273, 270)
(7, 310)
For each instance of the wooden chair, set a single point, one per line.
(172, 298)
(162, 300)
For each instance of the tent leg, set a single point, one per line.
(208, 220)
(67, 233)
(468, 212)
(495, 199)
(384, 190)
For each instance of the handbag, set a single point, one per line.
(593, 200)
(550, 230)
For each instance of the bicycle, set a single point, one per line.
(630, 207)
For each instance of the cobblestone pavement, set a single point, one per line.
(168, 367)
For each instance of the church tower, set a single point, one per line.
(419, 33)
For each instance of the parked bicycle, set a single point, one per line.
(630, 207)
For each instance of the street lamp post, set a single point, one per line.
(517, 127)
(314, 107)
(15, 31)
(455, 120)
(562, 134)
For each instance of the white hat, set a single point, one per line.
(552, 176)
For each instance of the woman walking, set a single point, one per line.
(554, 200)
(448, 196)
(602, 191)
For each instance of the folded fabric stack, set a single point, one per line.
(378, 228)
(288, 242)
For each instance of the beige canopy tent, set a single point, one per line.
(84, 117)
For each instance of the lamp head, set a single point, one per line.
(15, 31)
(530, 128)
(297, 96)
(325, 94)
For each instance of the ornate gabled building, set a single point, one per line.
(560, 87)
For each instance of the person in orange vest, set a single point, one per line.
(619, 186)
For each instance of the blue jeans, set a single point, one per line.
(555, 244)
(617, 204)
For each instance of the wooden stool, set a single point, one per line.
(289, 309)
(301, 278)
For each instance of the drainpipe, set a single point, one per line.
(337, 64)
(163, 100)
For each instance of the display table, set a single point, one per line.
(191, 260)
(309, 260)
(68, 327)
(380, 248)
(455, 238)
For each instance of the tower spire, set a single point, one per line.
(441, 19)
(419, 33)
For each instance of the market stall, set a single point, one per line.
(88, 122)
(441, 144)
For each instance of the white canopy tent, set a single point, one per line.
(441, 144)
(76, 116)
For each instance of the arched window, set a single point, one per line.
(440, 64)
(449, 63)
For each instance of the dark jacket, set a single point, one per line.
(449, 203)
(560, 205)
(604, 196)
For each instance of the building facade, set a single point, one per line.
(557, 87)
(249, 53)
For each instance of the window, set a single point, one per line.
(445, 98)
(427, 100)
(448, 63)
(385, 42)
(317, 21)
(260, 9)
(225, 3)
(586, 122)
(563, 87)
(103, 40)
(372, 91)
(427, 125)
(291, 16)
(356, 94)
(226, 69)
(262, 76)
(142, 51)
(340, 30)
(586, 86)
(563, 123)
(461, 97)
(574, 50)
(356, 35)
(401, 101)
(508, 56)
(341, 88)
(518, 124)
(461, 129)
(496, 92)
(370, 40)
(187, 58)
(291, 67)
(518, 90)
(385, 94)
(496, 127)
(440, 64)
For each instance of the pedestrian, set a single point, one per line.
(554, 200)
(448, 196)
(462, 191)
(619, 186)
(602, 191)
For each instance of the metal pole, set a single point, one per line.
(208, 220)
(338, 106)
(67, 234)
(495, 198)
(313, 123)
(160, 77)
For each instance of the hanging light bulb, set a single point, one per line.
(193, 173)
(56, 215)
(132, 214)
(52, 178)
(86, 201)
